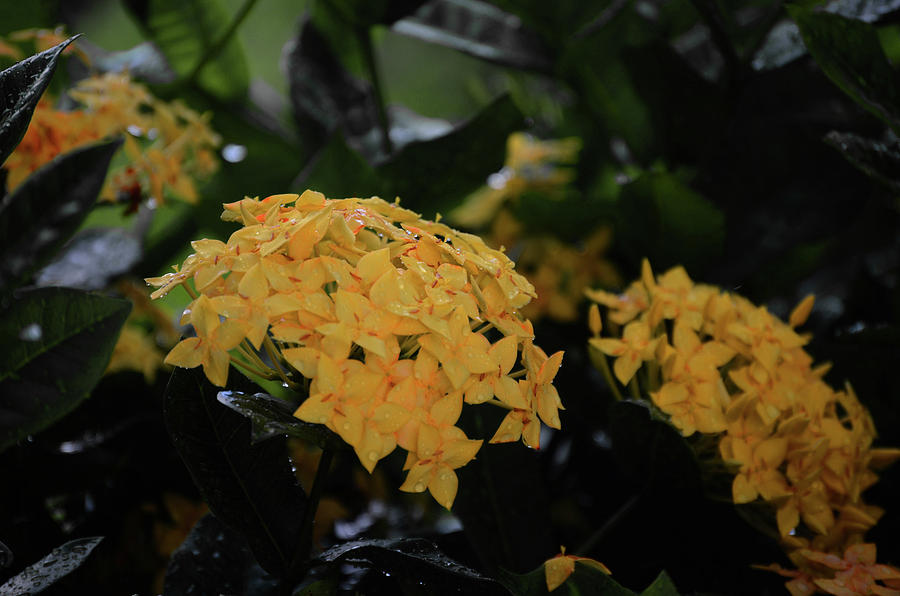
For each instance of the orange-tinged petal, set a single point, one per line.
(443, 486)
(254, 285)
(550, 368)
(447, 409)
(505, 352)
(801, 311)
(229, 334)
(374, 264)
(625, 366)
(188, 353)
(610, 347)
(459, 452)
(509, 392)
(389, 417)
(595, 323)
(418, 477)
(317, 409)
(428, 442)
(349, 425)
(328, 375)
(787, 517)
(742, 490)
(216, 367)
(510, 428)
(557, 570)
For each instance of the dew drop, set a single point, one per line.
(346, 426)
(373, 456)
(32, 332)
(233, 153)
(419, 487)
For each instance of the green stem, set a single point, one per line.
(250, 368)
(597, 537)
(633, 388)
(273, 355)
(298, 564)
(365, 40)
(600, 361)
(213, 50)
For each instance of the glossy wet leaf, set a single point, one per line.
(61, 561)
(92, 259)
(213, 559)
(271, 417)
(478, 29)
(47, 208)
(661, 219)
(57, 344)
(876, 159)
(849, 52)
(250, 487)
(417, 564)
(21, 86)
(339, 171)
(145, 61)
(185, 30)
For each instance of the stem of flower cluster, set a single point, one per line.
(250, 368)
(634, 389)
(187, 288)
(607, 373)
(246, 348)
(272, 351)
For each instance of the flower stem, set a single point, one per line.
(634, 389)
(365, 40)
(187, 288)
(599, 359)
(213, 50)
(250, 368)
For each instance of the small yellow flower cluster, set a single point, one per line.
(854, 573)
(716, 363)
(560, 272)
(167, 145)
(386, 315)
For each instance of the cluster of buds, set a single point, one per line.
(714, 363)
(388, 322)
(167, 145)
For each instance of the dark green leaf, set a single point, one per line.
(21, 86)
(876, 159)
(584, 581)
(479, 29)
(368, 13)
(249, 487)
(47, 208)
(213, 559)
(324, 95)
(417, 564)
(433, 176)
(272, 417)
(502, 500)
(661, 586)
(61, 561)
(665, 221)
(339, 171)
(185, 30)
(849, 52)
(651, 452)
(57, 343)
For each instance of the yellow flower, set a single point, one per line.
(384, 317)
(558, 569)
(631, 351)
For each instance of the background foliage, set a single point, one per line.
(754, 142)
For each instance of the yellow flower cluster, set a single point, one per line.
(856, 572)
(393, 321)
(167, 145)
(716, 363)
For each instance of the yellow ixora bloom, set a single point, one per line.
(391, 321)
(558, 569)
(716, 364)
(167, 145)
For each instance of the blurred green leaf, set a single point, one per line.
(876, 159)
(62, 561)
(416, 564)
(428, 176)
(213, 559)
(21, 86)
(185, 30)
(272, 417)
(92, 259)
(479, 29)
(250, 487)
(661, 586)
(661, 219)
(651, 452)
(47, 208)
(144, 61)
(368, 13)
(57, 344)
(849, 52)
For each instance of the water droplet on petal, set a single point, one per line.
(419, 487)
(32, 332)
(373, 456)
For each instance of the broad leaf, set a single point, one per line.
(213, 559)
(272, 417)
(92, 259)
(876, 159)
(416, 564)
(479, 29)
(651, 452)
(47, 208)
(61, 561)
(57, 344)
(339, 171)
(185, 30)
(502, 500)
(368, 13)
(249, 487)
(849, 52)
(145, 61)
(665, 221)
(21, 86)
